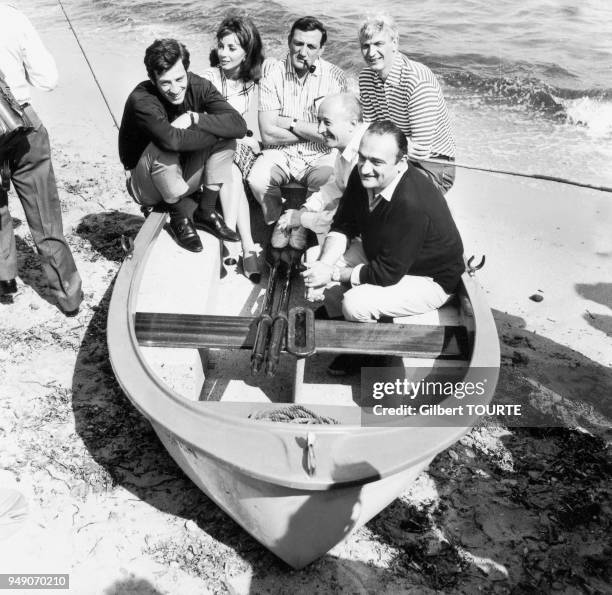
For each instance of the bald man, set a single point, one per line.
(341, 126)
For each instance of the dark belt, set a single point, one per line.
(442, 157)
(31, 114)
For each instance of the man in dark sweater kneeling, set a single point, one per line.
(176, 134)
(393, 245)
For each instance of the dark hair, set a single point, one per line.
(250, 41)
(381, 127)
(163, 54)
(309, 24)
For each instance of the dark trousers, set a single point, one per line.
(34, 181)
(441, 174)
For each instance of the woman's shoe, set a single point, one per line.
(230, 253)
(250, 266)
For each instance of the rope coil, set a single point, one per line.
(295, 414)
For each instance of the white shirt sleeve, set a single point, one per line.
(327, 197)
(324, 197)
(355, 275)
(319, 222)
(39, 65)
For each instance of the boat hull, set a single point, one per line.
(297, 525)
(260, 472)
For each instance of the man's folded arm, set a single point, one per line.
(271, 132)
(219, 117)
(270, 104)
(152, 118)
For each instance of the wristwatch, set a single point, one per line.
(293, 123)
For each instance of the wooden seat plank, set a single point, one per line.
(405, 340)
(238, 332)
(195, 331)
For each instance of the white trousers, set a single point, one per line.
(367, 303)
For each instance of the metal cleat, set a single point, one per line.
(472, 268)
(127, 244)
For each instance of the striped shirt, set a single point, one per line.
(410, 97)
(280, 89)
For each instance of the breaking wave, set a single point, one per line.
(591, 108)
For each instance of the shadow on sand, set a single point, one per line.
(118, 437)
(131, 586)
(600, 293)
(523, 508)
(29, 269)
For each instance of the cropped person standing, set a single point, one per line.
(24, 60)
(395, 88)
(289, 96)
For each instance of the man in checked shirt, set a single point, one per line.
(289, 95)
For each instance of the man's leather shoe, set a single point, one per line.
(212, 222)
(7, 287)
(185, 234)
(74, 311)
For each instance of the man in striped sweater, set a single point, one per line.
(393, 87)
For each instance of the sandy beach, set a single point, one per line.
(505, 510)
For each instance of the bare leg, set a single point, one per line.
(242, 221)
(243, 212)
(229, 204)
(236, 209)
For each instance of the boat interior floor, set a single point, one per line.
(180, 293)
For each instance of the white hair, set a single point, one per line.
(376, 23)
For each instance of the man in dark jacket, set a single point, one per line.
(176, 134)
(405, 254)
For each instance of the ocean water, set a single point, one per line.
(528, 83)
